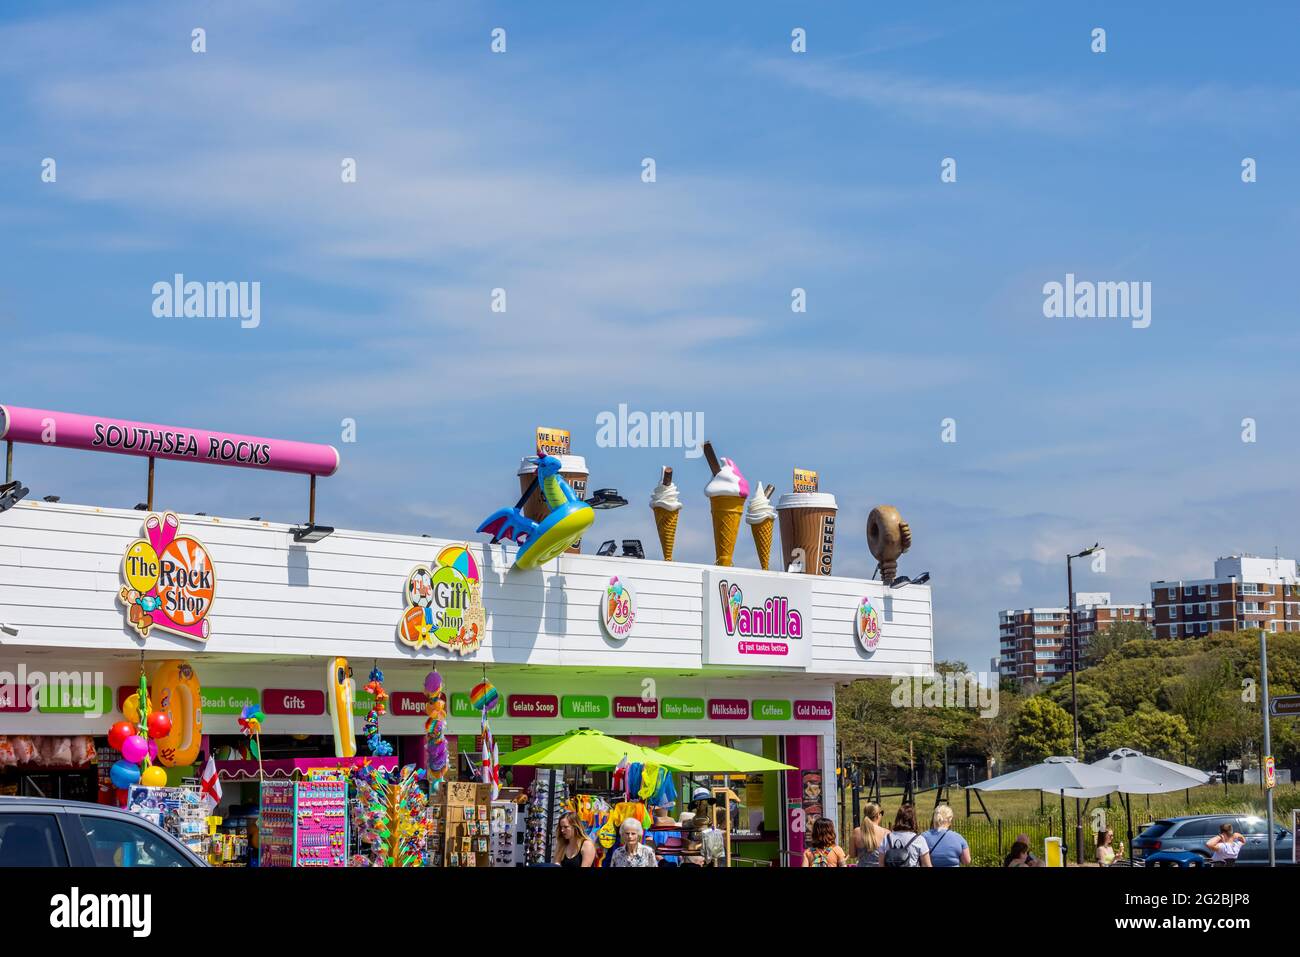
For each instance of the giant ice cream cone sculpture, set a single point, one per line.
(761, 518)
(727, 493)
(667, 507)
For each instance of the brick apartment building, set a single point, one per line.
(1245, 592)
(1034, 643)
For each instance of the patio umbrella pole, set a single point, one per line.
(1065, 838)
(1128, 813)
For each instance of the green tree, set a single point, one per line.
(1114, 638)
(1041, 729)
(1152, 732)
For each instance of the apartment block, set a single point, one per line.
(1034, 643)
(1246, 592)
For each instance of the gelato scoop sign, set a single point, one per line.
(756, 620)
(170, 581)
(444, 604)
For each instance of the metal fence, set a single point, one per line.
(990, 841)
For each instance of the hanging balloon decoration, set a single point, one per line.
(484, 697)
(135, 739)
(375, 686)
(435, 730)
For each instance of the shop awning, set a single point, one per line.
(586, 748)
(288, 767)
(707, 756)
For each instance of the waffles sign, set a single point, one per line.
(170, 581)
(618, 609)
(444, 604)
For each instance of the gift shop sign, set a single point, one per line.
(170, 581)
(444, 604)
(757, 620)
(293, 701)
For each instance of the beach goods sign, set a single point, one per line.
(170, 581)
(93, 433)
(444, 604)
(758, 620)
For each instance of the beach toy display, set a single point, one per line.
(761, 518)
(435, 730)
(539, 542)
(136, 739)
(377, 745)
(666, 504)
(727, 491)
(888, 537)
(175, 696)
(341, 692)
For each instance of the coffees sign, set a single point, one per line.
(444, 604)
(759, 620)
(170, 581)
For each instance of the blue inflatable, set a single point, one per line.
(539, 542)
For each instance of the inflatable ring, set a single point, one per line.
(340, 689)
(175, 689)
(560, 529)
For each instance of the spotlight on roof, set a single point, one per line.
(311, 533)
(141, 507)
(606, 498)
(607, 548)
(632, 548)
(11, 493)
(50, 498)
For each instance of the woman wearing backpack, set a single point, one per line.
(905, 847)
(823, 851)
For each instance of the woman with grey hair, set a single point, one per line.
(632, 852)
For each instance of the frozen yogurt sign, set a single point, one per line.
(756, 620)
(618, 609)
(170, 581)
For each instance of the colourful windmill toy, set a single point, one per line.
(539, 542)
(250, 722)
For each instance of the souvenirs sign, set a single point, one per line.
(170, 581)
(444, 604)
(866, 625)
(618, 609)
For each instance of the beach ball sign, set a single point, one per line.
(169, 580)
(867, 626)
(444, 604)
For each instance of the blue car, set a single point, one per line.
(1189, 834)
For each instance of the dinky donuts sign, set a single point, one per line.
(170, 581)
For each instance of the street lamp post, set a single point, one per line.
(1074, 685)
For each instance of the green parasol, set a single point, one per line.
(706, 756)
(587, 748)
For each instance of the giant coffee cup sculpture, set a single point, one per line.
(888, 536)
(539, 542)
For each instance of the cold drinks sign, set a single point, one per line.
(758, 620)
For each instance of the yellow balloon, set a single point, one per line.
(131, 709)
(154, 777)
(141, 566)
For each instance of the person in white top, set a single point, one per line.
(1226, 845)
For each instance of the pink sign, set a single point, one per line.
(643, 740)
(763, 648)
(293, 701)
(93, 433)
(407, 704)
(521, 741)
(728, 709)
(16, 698)
(534, 706)
(814, 710)
(636, 708)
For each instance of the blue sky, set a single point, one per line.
(775, 170)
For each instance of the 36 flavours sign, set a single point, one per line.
(170, 581)
(618, 609)
(866, 625)
(756, 620)
(444, 604)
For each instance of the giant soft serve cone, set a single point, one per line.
(666, 505)
(727, 511)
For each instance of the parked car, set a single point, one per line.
(1189, 834)
(40, 832)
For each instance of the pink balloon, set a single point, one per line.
(153, 750)
(134, 749)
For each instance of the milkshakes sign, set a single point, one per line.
(758, 620)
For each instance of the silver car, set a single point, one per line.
(41, 832)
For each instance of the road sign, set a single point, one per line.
(1270, 772)
(1285, 705)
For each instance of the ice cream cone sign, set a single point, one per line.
(726, 492)
(666, 505)
(888, 537)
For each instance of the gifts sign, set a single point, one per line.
(170, 581)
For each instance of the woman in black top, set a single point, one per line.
(573, 848)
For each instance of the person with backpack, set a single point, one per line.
(824, 852)
(905, 847)
(947, 847)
